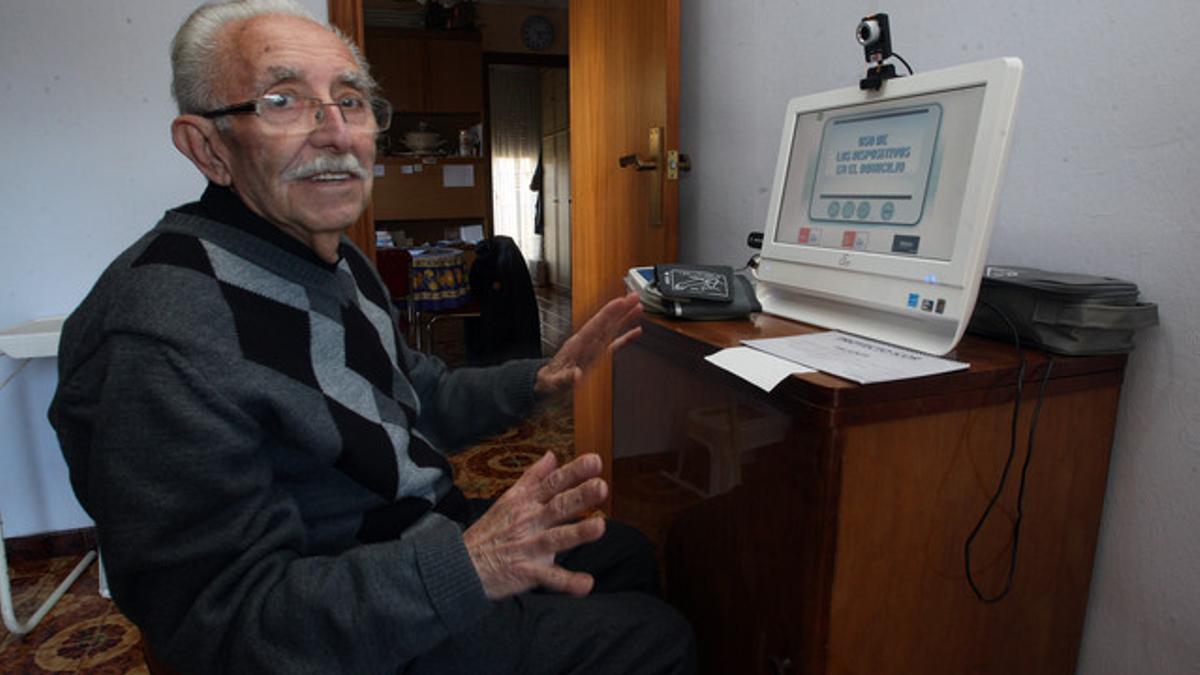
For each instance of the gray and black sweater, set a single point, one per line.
(256, 446)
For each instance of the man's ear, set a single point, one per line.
(199, 141)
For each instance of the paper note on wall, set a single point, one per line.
(458, 175)
(471, 233)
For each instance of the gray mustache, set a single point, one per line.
(346, 163)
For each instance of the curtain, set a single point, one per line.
(515, 98)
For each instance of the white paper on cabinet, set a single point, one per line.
(458, 175)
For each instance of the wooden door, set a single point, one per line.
(624, 79)
(348, 16)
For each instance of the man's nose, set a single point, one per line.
(332, 128)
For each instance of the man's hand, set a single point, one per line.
(610, 328)
(514, 543)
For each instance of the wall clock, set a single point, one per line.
(537, 33)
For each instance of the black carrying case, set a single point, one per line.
(1061, 312)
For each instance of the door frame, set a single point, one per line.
(507, 59)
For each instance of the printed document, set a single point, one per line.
(855, 358)
(756, 367)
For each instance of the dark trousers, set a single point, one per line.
(621, 628)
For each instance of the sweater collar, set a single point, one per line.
(223, 205)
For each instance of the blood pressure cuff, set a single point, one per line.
(1060, 312)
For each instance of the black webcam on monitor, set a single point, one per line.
(875, 36)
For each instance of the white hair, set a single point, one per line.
(196, 50)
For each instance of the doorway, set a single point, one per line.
(529, 139)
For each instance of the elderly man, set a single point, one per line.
(260, 449)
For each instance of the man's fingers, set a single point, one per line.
(563, 538)
(535, 476)
(573, 473)
(625, 339)
(562, 580)
(573, 502)
(613, 313)
(555, 540)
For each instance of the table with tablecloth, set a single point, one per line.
(439, 279)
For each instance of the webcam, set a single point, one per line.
(875, 36)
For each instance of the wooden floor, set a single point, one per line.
(86, 633)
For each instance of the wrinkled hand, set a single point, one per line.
(514, 543)
(608, 330)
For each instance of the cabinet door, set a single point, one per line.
(398, 64)
(455, 69)
(550, 234)
(562, 205)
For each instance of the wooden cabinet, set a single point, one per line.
(432, 78)
(820, 528)
(556, 177)
(556, 207)
(427, 71)
(431, 188)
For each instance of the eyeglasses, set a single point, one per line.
(303, 113)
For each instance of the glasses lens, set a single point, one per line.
(383, 113)
(281, 109)
(287, 110)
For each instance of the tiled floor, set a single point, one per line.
(554, 306)
(85, 633)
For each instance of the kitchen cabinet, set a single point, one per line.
(427, 71)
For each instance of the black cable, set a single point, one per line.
(910, 70)
(1012, 450)
(752, 263)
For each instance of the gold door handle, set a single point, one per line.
(652, 163)
(638, 161)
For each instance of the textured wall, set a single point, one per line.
(1102, 178)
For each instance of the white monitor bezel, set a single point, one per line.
(862, 292)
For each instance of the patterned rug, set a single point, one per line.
(486, 470)
(85, 633)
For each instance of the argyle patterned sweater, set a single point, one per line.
(256, 446)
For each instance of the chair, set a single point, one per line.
(501, 318)
(508, 326)
(395, 266)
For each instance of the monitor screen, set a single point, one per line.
(881, 208)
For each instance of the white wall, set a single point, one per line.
(1102, 178)
(85, 109)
